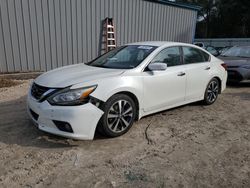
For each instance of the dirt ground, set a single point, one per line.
(190, 146)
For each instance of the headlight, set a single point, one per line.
(69, 97)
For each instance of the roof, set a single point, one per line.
(165, 44)
(158, 43)
(178, 4)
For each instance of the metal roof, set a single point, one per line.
(177, 4)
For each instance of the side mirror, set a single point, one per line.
(157, 66)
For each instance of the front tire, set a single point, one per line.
(212, 92)
(119, 115)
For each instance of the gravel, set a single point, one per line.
(189, 146)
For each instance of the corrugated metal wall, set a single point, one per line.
(38, 35)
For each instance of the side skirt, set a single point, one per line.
(143, 113)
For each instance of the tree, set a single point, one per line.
(208, 10)
(222, 18)
(234, 17)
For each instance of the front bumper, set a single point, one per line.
(83, 119)
(238, 74)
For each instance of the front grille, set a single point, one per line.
(34, 114)
(37, 91)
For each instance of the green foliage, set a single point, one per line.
(223, 18)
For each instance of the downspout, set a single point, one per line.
(194, 28)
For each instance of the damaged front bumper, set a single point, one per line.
(77, 122)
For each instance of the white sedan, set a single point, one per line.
(109, 93)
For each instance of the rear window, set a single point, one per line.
(194, 55)
(238, 51)
(206, 56)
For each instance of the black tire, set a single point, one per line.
(212, 91)
(120, 123)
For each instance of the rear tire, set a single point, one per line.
(119, 115)
(212, 92)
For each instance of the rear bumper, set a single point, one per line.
(224, 81)
(83, 119)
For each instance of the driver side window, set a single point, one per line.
(171, 56)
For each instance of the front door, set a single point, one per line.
(165, 88)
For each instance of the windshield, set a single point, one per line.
(237, 52)
(125, 57)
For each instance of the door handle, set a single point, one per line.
(207, 68)
(181, 74)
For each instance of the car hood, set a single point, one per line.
(74, 74)
(235, 61)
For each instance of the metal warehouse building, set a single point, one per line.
(40, 35)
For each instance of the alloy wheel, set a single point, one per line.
(120, 116)
(213, 91)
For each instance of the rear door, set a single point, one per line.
(198, 67)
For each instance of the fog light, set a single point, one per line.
(63, 126)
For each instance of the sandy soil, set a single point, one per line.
(190, 146)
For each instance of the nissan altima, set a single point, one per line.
(111, 92)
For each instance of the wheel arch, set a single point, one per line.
(132, 89)
(123, 92)
(220, 82)
(134, 98)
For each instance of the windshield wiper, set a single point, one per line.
(101, 66)
(87, 63)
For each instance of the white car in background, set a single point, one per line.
(123, 85)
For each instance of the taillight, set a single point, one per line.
(224, 65)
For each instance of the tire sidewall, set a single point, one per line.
(206, 92)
